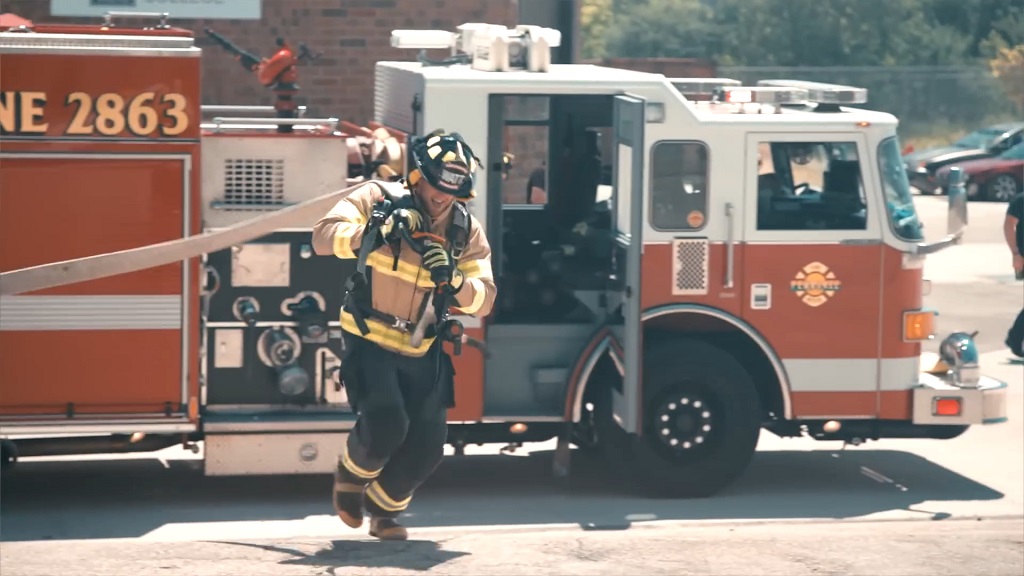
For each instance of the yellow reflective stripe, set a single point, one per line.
(479, 294)
(385, 336)
(343, 239)
(476, 268)
(354, 468)
(380, 498)
(406, 272)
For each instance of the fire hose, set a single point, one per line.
(76, 270)
(65, 272)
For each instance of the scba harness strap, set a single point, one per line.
(357, 285)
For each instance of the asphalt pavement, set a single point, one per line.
(985, 548)
(897, 507)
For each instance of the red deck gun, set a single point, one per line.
(279, 72)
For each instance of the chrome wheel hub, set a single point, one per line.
(683, 423)
(1004, 188)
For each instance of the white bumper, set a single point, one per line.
(937, 392)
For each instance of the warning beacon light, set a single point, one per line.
(760, 95)
(823, 92)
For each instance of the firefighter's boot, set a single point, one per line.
(348, 497)
(387, 529)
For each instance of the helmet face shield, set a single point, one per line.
(447, 163)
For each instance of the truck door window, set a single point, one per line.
(526, 141)
(679, 185)
(810, 186)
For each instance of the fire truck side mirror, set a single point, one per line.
(956, 221)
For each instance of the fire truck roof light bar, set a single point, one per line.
(823, 92)
(761, 95)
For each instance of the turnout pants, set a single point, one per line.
(1015, 335)
(398, 440)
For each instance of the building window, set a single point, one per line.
(679, 185)
(810, 186)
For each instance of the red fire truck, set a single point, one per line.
(712, 260)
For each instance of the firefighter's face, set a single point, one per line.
(435, 201)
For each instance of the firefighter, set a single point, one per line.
(399, 387)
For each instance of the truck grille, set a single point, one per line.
(690, 267)
(253, 182)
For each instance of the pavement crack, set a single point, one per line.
(582, 552)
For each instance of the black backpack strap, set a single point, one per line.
(357, 282)
(458, 231)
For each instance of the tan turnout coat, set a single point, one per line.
(400, 292)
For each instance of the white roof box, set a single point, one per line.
(488, 47)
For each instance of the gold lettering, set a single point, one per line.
(107, 114)
(142, 117)
(82, 103)
(177, 113)
(8, 117)
(22, 112)
(110, 114)
(32, 104)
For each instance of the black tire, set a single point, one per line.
(1002, 188)
(716, 429)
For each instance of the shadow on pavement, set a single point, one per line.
(130, 498)
(420, 555)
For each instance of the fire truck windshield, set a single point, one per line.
(898, 201)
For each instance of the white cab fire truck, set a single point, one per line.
(710, 260)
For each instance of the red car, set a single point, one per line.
(995, 179)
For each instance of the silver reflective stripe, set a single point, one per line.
(97, 44)
(90, 313)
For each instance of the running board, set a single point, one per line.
(89, 426)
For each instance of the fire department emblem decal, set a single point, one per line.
(815, 284)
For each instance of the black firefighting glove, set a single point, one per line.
(442, 271)
(411, 217)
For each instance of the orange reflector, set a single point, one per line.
(193, 409)
(946, 407)
(918, 325)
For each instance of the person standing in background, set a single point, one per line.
(1013, 232)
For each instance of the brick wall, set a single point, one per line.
(351, 35)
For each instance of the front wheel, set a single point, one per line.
(1001, 189)
(701, 423)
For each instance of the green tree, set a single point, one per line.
(1008, 68)
(595, 22)
(835, 33)
(662, 29)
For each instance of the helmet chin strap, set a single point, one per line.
(421, 204)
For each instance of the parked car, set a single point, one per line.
(988, 142)
(996, 179)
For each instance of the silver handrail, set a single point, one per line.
(729, 244)
(108, 18)
(242, 109)
(222, 122)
